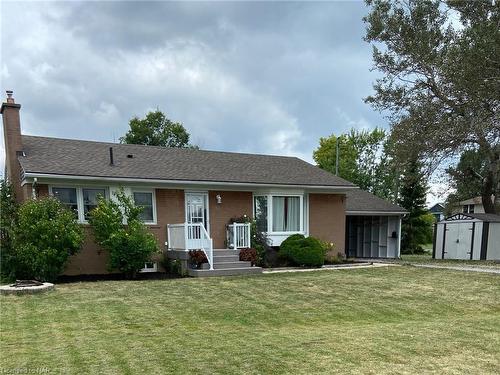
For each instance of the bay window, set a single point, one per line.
(286, 214)
(260, 212)
(279, 213)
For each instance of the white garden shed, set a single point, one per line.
(467, 236)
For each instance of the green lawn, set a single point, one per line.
(380, 320)
(427, 259)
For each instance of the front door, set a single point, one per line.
(196, 209)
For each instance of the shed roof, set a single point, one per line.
(490, 218)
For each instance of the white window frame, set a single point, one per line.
(270, 211)
(253, 208)
(146, 270)
(79, 197)
(153, 195)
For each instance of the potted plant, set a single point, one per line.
(197, 258)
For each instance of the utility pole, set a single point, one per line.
(337, 157)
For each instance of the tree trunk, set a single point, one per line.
(491, 184)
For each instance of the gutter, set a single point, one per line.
(29, 175)
(380, 213)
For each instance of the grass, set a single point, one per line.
(381, 320)
(427, 259)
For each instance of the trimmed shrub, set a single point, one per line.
(172, 267)
(288, 244)
(303, 251)
(130, 246)
(45, 236)
(248, 255)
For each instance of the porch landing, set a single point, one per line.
(226, 263)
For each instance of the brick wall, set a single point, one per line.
(326, 221)
(327, 218)
(234, 204)
(93, 260)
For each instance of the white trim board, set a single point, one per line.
(177, 183)
(377, 213)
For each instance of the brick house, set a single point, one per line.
(190, 195)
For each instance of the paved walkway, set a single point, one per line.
(461, 268)
(330, 268)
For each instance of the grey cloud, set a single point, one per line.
(256, 77)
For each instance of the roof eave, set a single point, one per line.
(374, 212)
(31, 175)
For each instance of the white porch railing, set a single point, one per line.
(238, 235)
(187, 237)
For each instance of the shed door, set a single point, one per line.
(458, 241)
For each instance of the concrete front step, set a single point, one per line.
(225, 272)
(225, 265)
(224, 252)
(226, 258)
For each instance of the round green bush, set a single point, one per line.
(291, 242)
(303, 251)
(46, 234)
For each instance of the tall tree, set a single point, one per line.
(441, 85)
(467, 177)
(364, 159)
(325, 156)
(416, 228)
(156, 130)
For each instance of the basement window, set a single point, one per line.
(150, 267)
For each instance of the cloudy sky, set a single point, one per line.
(252, 77)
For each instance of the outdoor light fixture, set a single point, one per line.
(218, 198)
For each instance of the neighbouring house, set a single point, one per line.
(189, 197)
(470, 206)
(467, 236)
(437, 211)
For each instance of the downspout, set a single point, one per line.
(34, 187)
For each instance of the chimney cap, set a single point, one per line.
(9, 103)
(10, 99)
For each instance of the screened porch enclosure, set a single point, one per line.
(373, 236)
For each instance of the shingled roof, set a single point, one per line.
(360, 201)
(55, 156)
